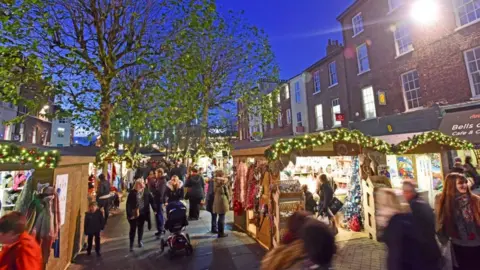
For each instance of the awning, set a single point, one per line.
(463, 124)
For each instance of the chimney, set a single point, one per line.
(332, 46)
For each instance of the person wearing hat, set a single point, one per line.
(195, 193)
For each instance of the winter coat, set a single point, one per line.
(326, 197)
(94, 222)
(103, 188)
(310, 203)
(132, 205)
(404, 249)
(159, 190)
(221, 198)
(25, 254)
(174, 195)
(424, 222)
(196, 187)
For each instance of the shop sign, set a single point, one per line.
(382, 98)
(340, 117)
(465, 125)
(61, 186)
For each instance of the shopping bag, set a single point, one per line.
(448, 260)
(335, 205)
(324, 219)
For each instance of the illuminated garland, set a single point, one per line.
(432, 136)
(11, 153)
(285, 147)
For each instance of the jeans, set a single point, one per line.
(221, 223)
(90, 242)
(136, 225)
(194, 211)
(214, 222)
(160, 218)
(106, 208)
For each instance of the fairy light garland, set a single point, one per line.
(432, 136)
(11, 153)
(285, 147)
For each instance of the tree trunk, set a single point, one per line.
(105, 114)
(204, 123)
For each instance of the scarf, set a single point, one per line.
(140, 201)
(464, 218)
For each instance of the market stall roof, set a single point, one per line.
(248, 148)
(431, 142)
(397, 138)
(310, 141)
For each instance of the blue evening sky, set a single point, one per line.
(298, 29)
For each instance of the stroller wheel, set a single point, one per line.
(162, 245)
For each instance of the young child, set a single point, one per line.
(94, 223)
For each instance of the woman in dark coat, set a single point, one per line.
(325, 192)
(174, 192)
(195, 193)
(139, 201)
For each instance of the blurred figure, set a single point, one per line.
(457, 166)
(179, 170)
(319, 245)
(174, 191)
(325, 192)
(210, 200)
(424, 222)
(310, 203)
(20, 251)
(158, 192)
(221, 201)
(471, 172)
(294, 224)
(195, 193)
(151, 179)
(93, 224)
(458, 220)
(103, 196)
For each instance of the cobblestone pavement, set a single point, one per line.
(237, 251)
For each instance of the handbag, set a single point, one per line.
(335, 205)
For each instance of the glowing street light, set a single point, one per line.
(424, 11)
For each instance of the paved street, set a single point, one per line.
(238, 251)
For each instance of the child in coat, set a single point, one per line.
(94, 223)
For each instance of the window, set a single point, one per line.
(467, 11)
(403, 40)
(411, 87)
(357, 24)
(316, 82)
(60, 132)
(336, 110)
(289, 116)
(287, 92)
(299, 119)
(332, 73)
(62, 120)
(472, 59)
(297, 92)
(369, 103)
(394, 4)
(280, 120)
(362, 58)
(278, 98)
(319, 116)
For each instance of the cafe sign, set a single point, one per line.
(464, 125)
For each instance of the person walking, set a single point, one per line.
(210, 199)
(471, 171)
(458, 220)
(158, 191)
(139, 201)
(221, 201)
(93, 224)
(325, 192)
(20, 251)
(195, 193)
(424, 223)
(103, 196)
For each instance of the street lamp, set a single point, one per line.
(424, 11)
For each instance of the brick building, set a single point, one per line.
(397, 68)
(283, 125)
(326, 90)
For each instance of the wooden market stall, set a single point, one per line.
(66, 172)
(348, 158)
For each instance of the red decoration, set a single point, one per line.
(355, 224)
(237, 207)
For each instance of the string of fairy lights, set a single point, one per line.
(10, 153)
(286, 146)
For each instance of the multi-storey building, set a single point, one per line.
(326, 90)
(298, 103)
(401, 69)
(8, 111)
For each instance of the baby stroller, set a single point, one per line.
(176, 224)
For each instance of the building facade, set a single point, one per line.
(282, 126)
(326, 90)
(398, 65)
(8, 111)
(62, 132)
(298, 103)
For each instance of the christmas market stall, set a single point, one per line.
(346, 157)
(250, 185)
(47, 184)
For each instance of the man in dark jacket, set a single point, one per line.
(424, 225)
(103, 195)
(195, 193)
(158, 191)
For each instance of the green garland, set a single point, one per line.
(285, 147)
(432, 136)
(11, 153)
